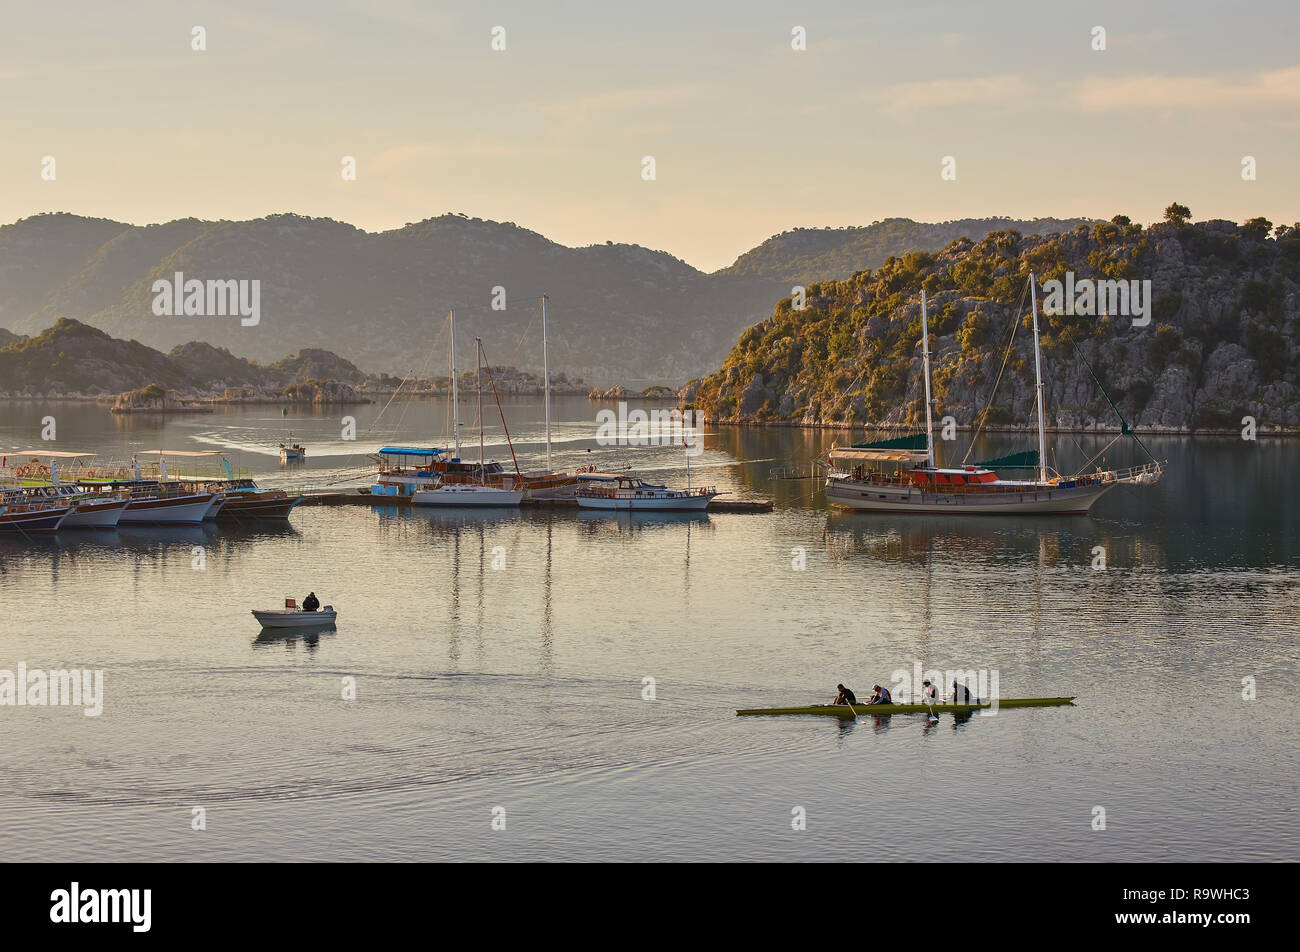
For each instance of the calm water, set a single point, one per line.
(521, 687)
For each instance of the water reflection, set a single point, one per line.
(288, 637)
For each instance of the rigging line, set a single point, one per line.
(1088, 462)
(1125, 429)
(979, 423)
(497, 397)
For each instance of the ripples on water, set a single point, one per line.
(521, 688)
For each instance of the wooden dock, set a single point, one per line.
(355, 497)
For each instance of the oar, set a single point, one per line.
(930, 708)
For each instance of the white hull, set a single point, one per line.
(218, 501)
(294, 618)
(183, 510)
(90, 514)
(467, 496)
(693, 503)
(1076, 500)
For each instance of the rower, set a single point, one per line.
(961, 694)
(881, 696)
(928, 693)
(311, 602)
(845, 696)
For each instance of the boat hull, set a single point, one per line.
(294, 618)
(40, 520)
(95, 514)
(877, 710)
(257, 506)
(694, 503)
(168, 510)
(1055, 501)
(467, 496)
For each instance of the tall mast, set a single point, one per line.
(925, 354)
(478, 383)
(455, 386)
(1038, 377)
(546, 372)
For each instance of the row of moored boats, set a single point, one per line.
(35, 497)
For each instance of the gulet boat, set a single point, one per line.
(900, 474)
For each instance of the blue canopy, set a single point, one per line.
(411, 451)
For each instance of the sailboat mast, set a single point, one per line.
(546, 373)
(925, 354)
(478, 383)
(455, 386)
(1038, 377)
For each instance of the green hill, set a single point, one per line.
(1221, 342)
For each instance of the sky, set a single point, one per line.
(749, 136)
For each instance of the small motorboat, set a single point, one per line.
(291, 616)
(292, 452)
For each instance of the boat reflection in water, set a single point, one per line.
(288, 637)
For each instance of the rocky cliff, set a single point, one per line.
(1220, 344)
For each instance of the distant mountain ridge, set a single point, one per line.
(73, 360)
(619, 313)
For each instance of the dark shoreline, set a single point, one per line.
(1235, 432)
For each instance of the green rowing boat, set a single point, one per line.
(876, 710)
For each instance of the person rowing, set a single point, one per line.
(961, 694)
(929, 697)
(881, 696)
(845, 696)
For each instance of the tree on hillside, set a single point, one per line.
(1258, 228)
(1178, 215)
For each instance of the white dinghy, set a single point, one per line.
(291, 616)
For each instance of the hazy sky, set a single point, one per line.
(749, 136)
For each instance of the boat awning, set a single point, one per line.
(853, 454)
(46, 453)
(1025, 460)
(410, 451)
(179, 453)
(912, 442)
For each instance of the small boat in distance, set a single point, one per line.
(291, 616)
(292, 452)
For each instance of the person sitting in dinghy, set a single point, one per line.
(845, 696)
(881, 696)
(311, 602)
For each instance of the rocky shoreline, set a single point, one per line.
(1262, 430)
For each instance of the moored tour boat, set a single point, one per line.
(626, 493)
(900, 474)
(19, 513)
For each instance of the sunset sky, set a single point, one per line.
(749, 136)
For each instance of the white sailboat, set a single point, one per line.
(467, 493)
(860, 477)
